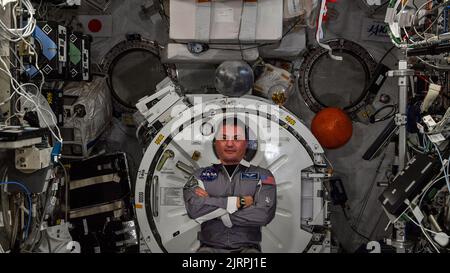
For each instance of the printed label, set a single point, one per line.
(224, 15)
(172, 197)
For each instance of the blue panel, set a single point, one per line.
(31, 70)
(48, 46)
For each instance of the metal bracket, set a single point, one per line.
(401, 73)
(319, 160)
(400, 119)
(402, 70)
(315, 175)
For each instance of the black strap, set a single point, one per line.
(373, 118)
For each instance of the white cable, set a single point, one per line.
(424, 40)
(404, 4)
(319, 32)
(139, 128)
(414, 17)
(444, 167)
(418, 224)
(432, 65)
(391, 20)
(399, 14)
(422, 228)
(19, 88)
(16, 34)
(425, 190)
(7, 99)
(429, 230)
(433, 38)
(10, 117)
(39, 109)
(21, 34)
(428, 238)
(424, 232)
(36, 64)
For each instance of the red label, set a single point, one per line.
(95, 25)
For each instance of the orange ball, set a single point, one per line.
(332, 127)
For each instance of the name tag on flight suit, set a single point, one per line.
(250, 176)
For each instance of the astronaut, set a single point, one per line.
(231, 200)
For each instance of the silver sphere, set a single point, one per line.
(234, 78)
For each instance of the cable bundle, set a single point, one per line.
(17, 34)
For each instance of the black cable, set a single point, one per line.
(239, 31)
(433, 9)
(380, 62)
(264, 44)
(352, 227)
(385, 55)
(291, 28)
(381, 6)
(373, 119)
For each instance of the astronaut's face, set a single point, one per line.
(231, 144)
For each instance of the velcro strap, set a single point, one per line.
(76, 184)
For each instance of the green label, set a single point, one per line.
(74, 54)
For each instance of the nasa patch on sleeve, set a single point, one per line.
(208, 174)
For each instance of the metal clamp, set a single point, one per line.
(401, 73)
(400, 119)
(402, 70)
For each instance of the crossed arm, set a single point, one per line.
(257, 211)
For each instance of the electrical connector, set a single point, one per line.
(432, 94)
(56, 152)
(429, 121)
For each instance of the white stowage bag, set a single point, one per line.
(57, 239)
(230, 21)
(94, 97)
